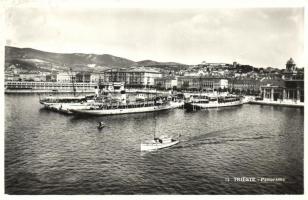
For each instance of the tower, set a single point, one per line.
(290, 66)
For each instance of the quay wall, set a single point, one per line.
(279, 103)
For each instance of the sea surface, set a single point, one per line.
(52, 153)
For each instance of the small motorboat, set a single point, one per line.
(159, 143)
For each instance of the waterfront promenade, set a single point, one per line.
(279, 103)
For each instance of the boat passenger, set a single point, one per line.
(101, 125)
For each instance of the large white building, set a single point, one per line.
(65, 77)
(95, 78)
(132, 77)
(201, 83)
(166, 82)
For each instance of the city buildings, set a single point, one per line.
(201, 83)
(83, 77)
(166, 83)
(65, 77)
(33, 87)
(270, 83)
(292, 91)
(244, 85)
(10, 76)
(88, 77)
(132, 77)
(289, 89)
(32, 76)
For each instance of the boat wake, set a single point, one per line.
(220, 133)
(212, 141)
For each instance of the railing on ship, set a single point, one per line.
(47, 85)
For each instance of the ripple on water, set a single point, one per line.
(50, 153)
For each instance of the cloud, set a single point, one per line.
(257, 36)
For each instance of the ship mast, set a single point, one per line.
(155, 125)
(155, 119)
(74, 89)
(200, 85)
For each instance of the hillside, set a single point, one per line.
(32, 59)
(39, 59)
(153, 63)
(167, 66)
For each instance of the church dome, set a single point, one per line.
(290, 66)
(290, 62)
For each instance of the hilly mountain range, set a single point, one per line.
(32, 59)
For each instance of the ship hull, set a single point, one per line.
(177, 104)
(119, 111)
(199, 106)
(66, 107)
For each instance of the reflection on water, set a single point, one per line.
(51, 153)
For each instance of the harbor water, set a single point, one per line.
(52, 153)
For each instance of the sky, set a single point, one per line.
(261, 37)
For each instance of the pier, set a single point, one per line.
(15, 87)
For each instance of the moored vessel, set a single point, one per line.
(204, 101)
(64, 104)
(125, 108)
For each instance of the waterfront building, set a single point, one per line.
(246, 85)
(132, 77)
(166, 83)
(289, 89)
(201, 83)
(37, 76)
(95, 77)
(10, 76)
(84, 77)
(291, 92)
(292, 89)
(87, 77)
(253, 85)
(32, 87)
(272, 81)
(65, 77)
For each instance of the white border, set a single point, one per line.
(159, 4)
